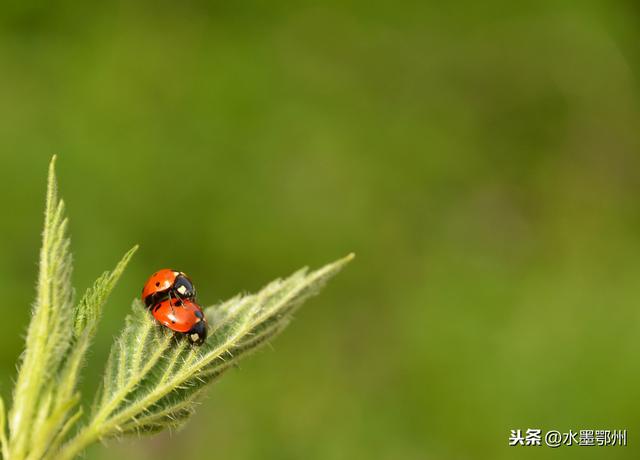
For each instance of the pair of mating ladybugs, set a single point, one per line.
(170, 297)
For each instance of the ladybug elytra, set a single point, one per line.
(167, 283)
(183, 316)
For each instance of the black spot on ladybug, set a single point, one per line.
(178, 303)
(157, 283)
(173, 322)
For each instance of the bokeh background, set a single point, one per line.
(481, 159)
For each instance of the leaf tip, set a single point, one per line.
(344, 261)
(130, 252)
(51, 182)
(52, 166)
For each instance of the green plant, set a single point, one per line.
(151, 380)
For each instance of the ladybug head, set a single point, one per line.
(198, 333)
(183, 287)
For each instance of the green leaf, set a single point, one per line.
(45, 397)
(50, 331)
(90, 307)
(56, 422)
(153, 379)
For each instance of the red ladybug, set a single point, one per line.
(182, 315)
(165, 284)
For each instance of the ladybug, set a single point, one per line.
(182, 315)
(165, 284)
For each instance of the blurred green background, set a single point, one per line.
(480, 158)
